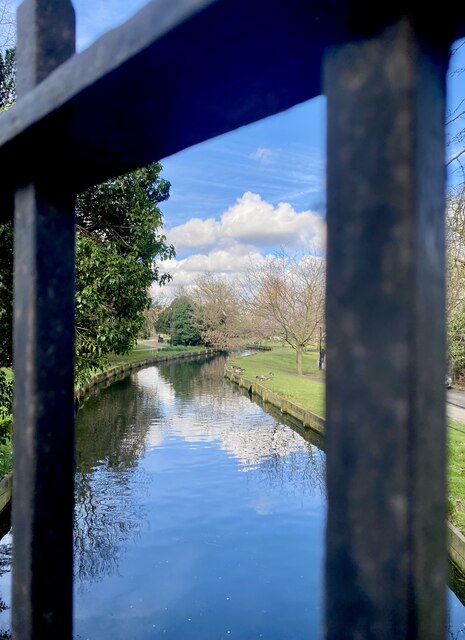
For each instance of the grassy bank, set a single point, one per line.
(142, 352)
(309, 391)
(456, 474)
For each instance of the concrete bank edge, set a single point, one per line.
(455, 539)
(307, 418)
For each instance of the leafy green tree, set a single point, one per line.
(118, 249)
(6, 396)
(179, 321)
(118, 245)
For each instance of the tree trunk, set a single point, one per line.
(298, 359)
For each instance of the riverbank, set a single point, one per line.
(119, 367)
(303, 397)
(276, 370)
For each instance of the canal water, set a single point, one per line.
(198, 515)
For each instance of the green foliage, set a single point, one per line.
(118, 242)
(179, 321)
(6, 451)
(6, 294)
(6, 409)
(7, 78)
(6, 395)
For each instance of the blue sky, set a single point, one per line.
(247, 192)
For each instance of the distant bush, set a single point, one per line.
(6, 395)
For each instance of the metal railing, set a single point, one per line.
(177, 73)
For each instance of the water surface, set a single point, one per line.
(198, 515)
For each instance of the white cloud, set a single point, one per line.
(252, 220)
(227, 261)
(262, 154)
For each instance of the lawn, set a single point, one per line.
(456, 473)
(307, 390)
(141, 353)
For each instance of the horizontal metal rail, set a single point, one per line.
(175, 74)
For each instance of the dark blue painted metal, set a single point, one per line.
(217, 65)
(386, 569)
(43, 359)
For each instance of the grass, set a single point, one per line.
(141, 353)
(456, 474)
(307, 390)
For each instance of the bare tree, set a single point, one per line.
(218, 312)
(455, 237)
(286, 294)
(455, 121)
(7, 25)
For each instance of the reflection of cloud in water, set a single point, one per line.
(215, 413)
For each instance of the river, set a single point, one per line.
(198, 515)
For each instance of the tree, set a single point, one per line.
(7, 98)
(6, 294)
(7, 25)
(118, 243)
(178, 320)
(286, 295)
(150, 319)
(455, 121)
(7, 79)
(455, 236)
(218, 312)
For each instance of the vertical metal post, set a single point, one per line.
(43, 359)
(386, 559)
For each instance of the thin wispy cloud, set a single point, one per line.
(262, 155)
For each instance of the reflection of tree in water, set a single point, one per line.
(5, 562)
(111, 432)
(302, 469)
(191, 377)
